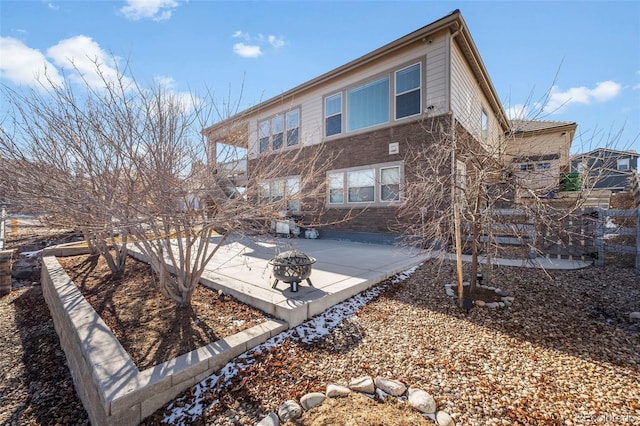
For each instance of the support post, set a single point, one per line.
(600, 237)
(638, 238)
(456, 220)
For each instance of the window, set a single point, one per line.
(485, 125)
(264, 133)
(293, 127)
(361, 186)
(543, 166)
(333, 115)
(368, 105)
(526, 167)
(623, 164)
(287, 189)
(277, 127)
(271, 132)
(390, 183)
(379, 184)
(264, 192)
(336, 188)
(408, 91)
(582, 167)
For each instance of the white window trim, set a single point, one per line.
(341, 113)
(285, 131)
(395, 95)
(390, 73)
(377, 202)
(623, 161)
(285, 195)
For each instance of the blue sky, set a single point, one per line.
(586, 55)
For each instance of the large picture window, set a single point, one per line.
(333, 115)
(272, 134)
(361, 186)
(408, 98)
(368, 105)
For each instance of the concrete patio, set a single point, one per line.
(343, 269)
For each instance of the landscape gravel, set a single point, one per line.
(566, 352)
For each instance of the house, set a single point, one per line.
(605, 168)
(368, 113)
(538, 152)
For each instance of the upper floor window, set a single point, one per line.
(333, 115)
(526, 167)
(623, 164)
(393, 96)
(368, 105)
(293, 127)
(408, 99)
(271, 132)
(543, 166)
(485, 125)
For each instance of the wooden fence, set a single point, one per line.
(585, 234)
(635, 188)
(618, 231)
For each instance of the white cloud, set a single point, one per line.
(24, 65)
(52, 6)
(254, 44)
(157, 10)
(517, 112)
(602, 92)
(276, 41)
(247, 50)
(242, 35)
(86, 60)
(636, 87)
(187, 100)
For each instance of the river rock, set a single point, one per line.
(362, 384)
(334, 391)
(289, 410)
(392, 387)
(271, 420)
(311, 400)
(421, 401)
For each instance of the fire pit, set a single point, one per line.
(292, 267)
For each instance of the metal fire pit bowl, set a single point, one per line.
(292, 267)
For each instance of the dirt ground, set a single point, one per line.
(147, 323)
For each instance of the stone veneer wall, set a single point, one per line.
(112, 389)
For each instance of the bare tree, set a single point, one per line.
(129, 165)
(501, 204)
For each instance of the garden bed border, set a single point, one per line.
(112, 389)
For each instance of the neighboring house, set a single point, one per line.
(538, 152)
(605, 168)
(368, 113)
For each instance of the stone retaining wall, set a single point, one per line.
(112, 389)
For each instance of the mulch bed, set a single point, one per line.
(147, 323)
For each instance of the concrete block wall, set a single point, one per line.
(112, 389)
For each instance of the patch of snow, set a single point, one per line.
(183, 412)
(31, 254)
